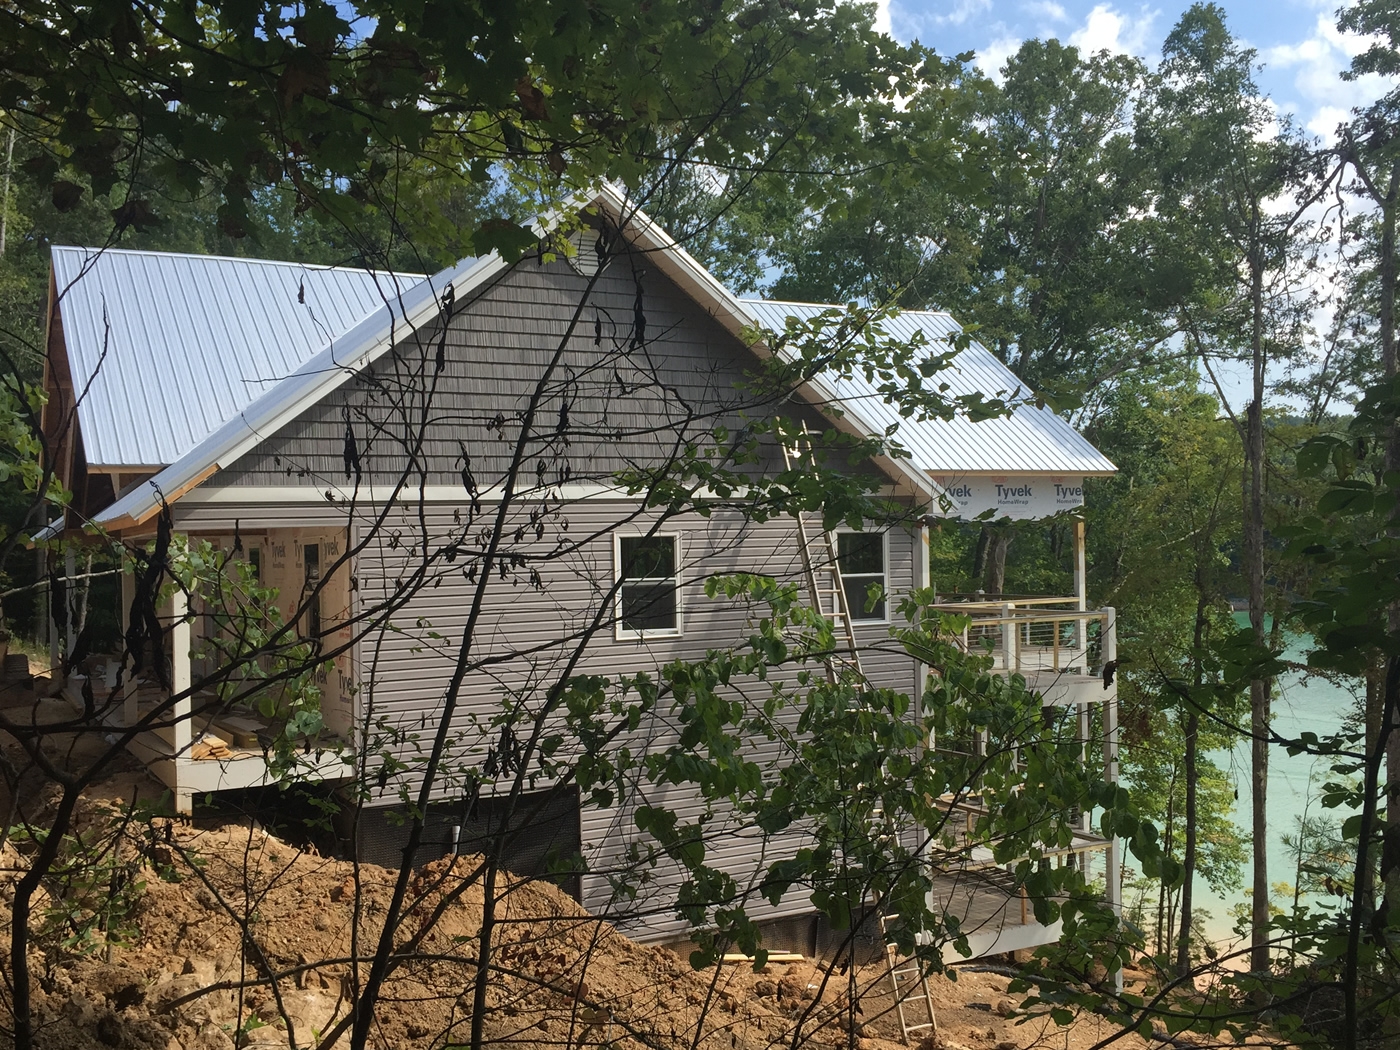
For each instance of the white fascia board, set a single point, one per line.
(336, 494)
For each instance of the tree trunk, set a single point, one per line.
(994, 582)
(5, 197)
(1390, 871)
(1188, 849)
(1259, 688)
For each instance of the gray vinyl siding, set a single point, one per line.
(524, 634)
(678, 386)
(410, 668)
(627, 405)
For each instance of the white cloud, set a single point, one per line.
(991, 58)
(1047, 9)
(961, 11)
(882, 16)
(1107, 29)
(1325, 120)
(1323, 99)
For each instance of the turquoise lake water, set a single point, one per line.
(1301, 704)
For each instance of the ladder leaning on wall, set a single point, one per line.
(833, 602)
(830, 600)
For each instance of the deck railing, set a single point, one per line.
(1061, 648)
(1029, 635)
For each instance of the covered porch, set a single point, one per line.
(219, 733)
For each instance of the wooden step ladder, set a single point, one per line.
(908, 971)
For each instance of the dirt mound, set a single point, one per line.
(228, 937)
(224, 910)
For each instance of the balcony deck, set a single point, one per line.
(1061, 649)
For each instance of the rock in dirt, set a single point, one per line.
(212, 1037)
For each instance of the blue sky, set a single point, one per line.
(1297, 40)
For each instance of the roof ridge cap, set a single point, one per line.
(248, 259)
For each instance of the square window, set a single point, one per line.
(649, 598)
(861, 558)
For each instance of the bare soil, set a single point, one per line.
(226, 907)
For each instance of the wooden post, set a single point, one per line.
(1011, 639)
(1081, 573)
(70, 570)
(130, 713)
(180, 679)
(1081, 588)
(50, 613)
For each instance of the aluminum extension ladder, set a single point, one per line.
(829, 600)
(907, 970)
(832, 600)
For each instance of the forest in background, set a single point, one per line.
(1124, 237)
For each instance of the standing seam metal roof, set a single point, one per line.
(1030, 440)
(194, 339)
(191, 340)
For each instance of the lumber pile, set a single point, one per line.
(210, 745)
(227, 734)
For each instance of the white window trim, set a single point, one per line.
(622, 633)
(861, 620)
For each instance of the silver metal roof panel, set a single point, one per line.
(209, 355)
(1030, 440)
(173, 346)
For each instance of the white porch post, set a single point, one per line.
(1081, 590)
(1011, 639)
(1081, 574)
(130, 714)
(1081, 711)
(180, 683)
(1113, 857)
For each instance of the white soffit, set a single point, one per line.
(1029, 440)
(191, 340)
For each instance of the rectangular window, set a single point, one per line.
(648, 601)
(861, 557)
